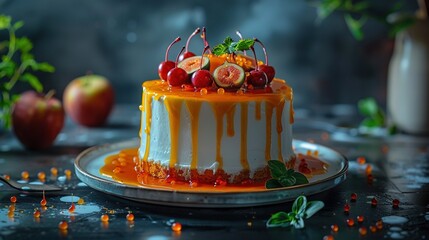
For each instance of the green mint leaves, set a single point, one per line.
(374, 115)
(229, 46)
(282, 177)
(17, 64)
(301, 209)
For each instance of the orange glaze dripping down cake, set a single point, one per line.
(211, 136)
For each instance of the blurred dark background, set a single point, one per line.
(126, 40)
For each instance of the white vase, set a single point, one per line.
(408, 79)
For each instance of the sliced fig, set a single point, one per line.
(229, 76)
(192, 64)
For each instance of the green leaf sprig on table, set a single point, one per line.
(374, 115)
(17, 64)
(229, 46)
(357, 12)
(282, 177)
(301, 209)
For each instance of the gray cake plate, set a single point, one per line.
(89, 162)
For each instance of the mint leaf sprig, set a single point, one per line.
(282, 177)
(374, 115)
(301, 209)
(229, 46)
(17, 64)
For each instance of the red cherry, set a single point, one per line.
(177, 77)
(188, 54)
(269, 71)
(257, 78)
(202, 78)
(166, 66)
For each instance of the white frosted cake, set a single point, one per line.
(209, 136)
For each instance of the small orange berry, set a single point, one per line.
(379, 224)
(41, 175)
(130, 217)
(360, 219)
(13, 199)
(54, 171)
(328, 237)
(334, 227)
(43, 202)
(104, 218)
(63, 225)
(25, 174)
(363, 231)
(36, 213)
(80, 201)
(373, 228)
(350, 222)
(361, 160)
(68, 173)
(72, 208)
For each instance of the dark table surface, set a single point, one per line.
(400, 169)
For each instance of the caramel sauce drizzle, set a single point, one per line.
(174, 107)
(194, 108)
(147, 102)
(268, 118)
(243, 147)
(279, 127)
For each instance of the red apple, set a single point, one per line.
(88, 100)
(37, 119)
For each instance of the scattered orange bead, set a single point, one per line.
(363, 231)
(43, 202)
(353, 197)
(360, 219)
(374, 202)
(368, 169)
(177, 227)
(68, 173)
(328, 237)
(54, 171)
(395, 203)
(36, 213)
(373, 228)
(220, 91)
(25, 175)
(63, 225)
(334, 227)
(379, 224)
(12, 207)
(350, 222)
(346, 208)
(7, 177)
(361, 160)
(13, 199)
(203, 91)
(80, 201)
(41, 176)
(72, 208)
(104, 218)
(130, 217)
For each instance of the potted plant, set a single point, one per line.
(408, 76)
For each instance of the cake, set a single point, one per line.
(217, 125)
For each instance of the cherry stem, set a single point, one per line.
(241, 37)
(177, 58)
(190, 37)
(204, 37)
(202, 55)
(263, 49)
(169, 46)
(256, 60)
(50, 94)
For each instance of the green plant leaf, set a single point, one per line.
(24, 44)
(354, 26)
(272, 183)
(244, 44)
(220, 49)
(300, 178)
(18, 25)
(33, 81)
(368, 107)
(287, 181)
(277, 168)
(46, 67)
(280, 219)
(312, 208)
(327, 7)
(299, 205)
(5, 22)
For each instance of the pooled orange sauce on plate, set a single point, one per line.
(122, 167)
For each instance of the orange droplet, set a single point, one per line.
(372, 228)
(361, 160)
(72, 207)
(353, 197)
(11, 214)
(13, 199)
(334, 227)
(41, 175)
(363, 231)
(68, 173)
(36, 213)
(25, 175)
(360, 219)
(177, 227)
(350, 222)
(104, 218)
(379, 224)
(43, 202)
(328, 237)
(374, 202)
(7, 177)
(54, 171)
(203, 91)
(130, 217)
(346, 208)
(368, 169)
(80, 201)
(220, 91)
(63, 225)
